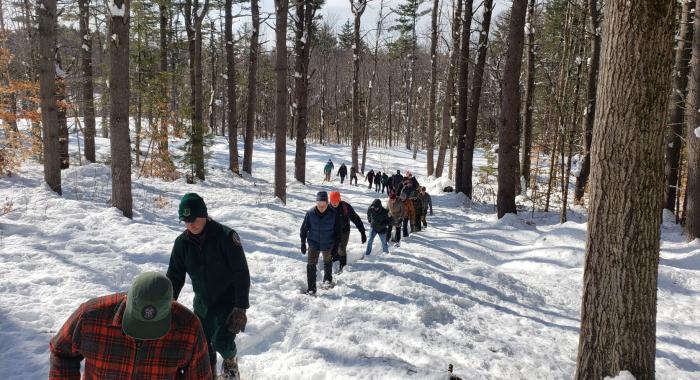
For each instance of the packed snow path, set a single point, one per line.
(498, 299)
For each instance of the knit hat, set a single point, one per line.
(392, 195)
(334, 197)
(322, 196)
(148, 307)
(191, 207)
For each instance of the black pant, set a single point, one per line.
(405, 226)
(397, 236)
(342, 178)
(384, 189)
(355, 178)
(376, 186)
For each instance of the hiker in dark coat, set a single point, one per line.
(426, 202)
(321, 228)
(377, 181)
(379, 220)
(212, 255)
(385, 183)
(396, 180)
(348, 214)
(370, 178)
(397, 213)
(353, 175)
(342, 172)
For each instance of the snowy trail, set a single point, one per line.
(497, 298)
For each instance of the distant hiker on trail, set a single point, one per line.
(418, 206)
(321, 228)
(342, 172)
(377, 181)
(385, 183)
(353, 175)
(370, 178)
(212, 255)
(397, 213)
(408, 185)
(327, 170)
(379, 220)
(347, 213)
(396, 180)
(410, 217)
(142, 334)
(427, 202)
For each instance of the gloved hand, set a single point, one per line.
(303, 247)
(364, 237)
(236, 320)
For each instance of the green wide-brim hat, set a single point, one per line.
(148, 313)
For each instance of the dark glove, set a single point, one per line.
(303, 247)
(237, 320)
(364, 237)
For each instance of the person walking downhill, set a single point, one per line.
(353, 175)
(327, 170)
(370, 178)
(396, 180)
(397, 213)
(321, 228)
(342, 172)
(347, 213)
(377, 181)
(142, 334)
(379, 220)
(427, 202)
(385, 183)
(212, 255)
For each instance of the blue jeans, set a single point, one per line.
(382, 237)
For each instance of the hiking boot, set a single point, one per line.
(230, 370)
(327, 285)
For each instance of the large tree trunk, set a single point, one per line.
(358, 8)
(473, 112)
(61, 103)
(676, 105)
(302, 48)
(529, 95)
(463, 88)
(281, 100)
(433, 84)
(592, 82)
(566, 174)
(194, 15)
(47, 91)
(692, 220)
(370, 85)
(508, 135)
(447, 115)
(618, 310)
(252, 89)
(120, 146)
(86, 66)
(231, 91)
(163, 146)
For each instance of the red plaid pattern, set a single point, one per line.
(94, 333)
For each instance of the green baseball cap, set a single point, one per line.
(191, 207)
(147, 314)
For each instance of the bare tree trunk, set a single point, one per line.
(692, 216)
(676, 105)
(370, 85)
(529, 95)
(163, 146)
(463, 88)
(473, 112)
(305, 11)
(120, 146)
(47, 91)
(252, 89)
(231, 91)
(358, 8)
(194, 15)
(281, 100)
(447, 115)
(433, 81)
(508, 135)
(572, 132)
(618, 308)
(86, 66)
(591, 85)
(61, 96)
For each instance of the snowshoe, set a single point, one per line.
(230, 370)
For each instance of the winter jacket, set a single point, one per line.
(396, 180)
(94, 333)
(378, 217)
(370, 176)
(322, 231)
(410, 210)
(343, 171)
(217, 266)
(377, 179)
(347, 213)
(426, 201)
(328, 168)
(408, 186)
(385, 179)
(396, 211)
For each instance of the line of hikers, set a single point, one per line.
(382, 182)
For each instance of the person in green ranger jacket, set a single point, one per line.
(212, 255)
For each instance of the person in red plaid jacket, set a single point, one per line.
(142, 334)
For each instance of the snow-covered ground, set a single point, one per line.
(496, 298)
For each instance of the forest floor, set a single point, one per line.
(498, 299)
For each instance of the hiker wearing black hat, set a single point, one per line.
(212, 255)
(141, 334)
(322, 229)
